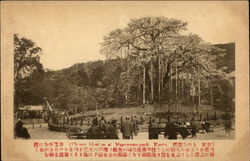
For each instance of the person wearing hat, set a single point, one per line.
(114, 124)
(126, 128)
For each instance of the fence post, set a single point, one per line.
(207, 117)
(215, 117)
(200, 116)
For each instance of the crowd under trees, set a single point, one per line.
(151, 60)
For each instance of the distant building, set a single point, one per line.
(30, 112)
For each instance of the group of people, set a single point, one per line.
(129, 127)
(185, 129)
(29, 114)
(102, 129)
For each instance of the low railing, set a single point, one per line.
(79, 135)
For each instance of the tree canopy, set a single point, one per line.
(156, 44)
(150, 59)
(27, 70)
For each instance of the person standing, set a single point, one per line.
(172, 131)
(135, 125)
(126, 129)
(95, 121)
(116, 132)
(194, 128)
(227, 124)
(153, 132)
(102, 124)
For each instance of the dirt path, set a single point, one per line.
(44, 133)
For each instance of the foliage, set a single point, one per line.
(156, 43)
(151, 46)
(28, 71)
(84, 86)
(228, 60)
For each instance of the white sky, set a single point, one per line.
(70, 32)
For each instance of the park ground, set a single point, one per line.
(42, 132)
(45, 133)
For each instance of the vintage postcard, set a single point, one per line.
(127, 80)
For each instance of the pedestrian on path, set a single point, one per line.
(126, 129)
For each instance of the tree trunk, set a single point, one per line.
(199, 85)
(144, 86)
(171, 83)
(162, 72)
(192, 84)
(211, 93)
(105, 105)
(18, 93)
(139, 93)
(121, 53)
(85, 95)
(188, 85)
(176, 81)
(96, 108)
(176, 86)
(152, 82)
(159, 79)
(182, 88)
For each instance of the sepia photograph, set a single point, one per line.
(126, 71)
(150, 78)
